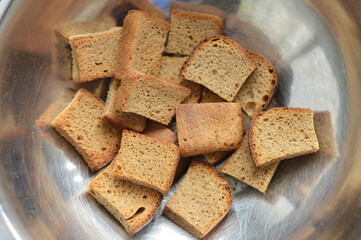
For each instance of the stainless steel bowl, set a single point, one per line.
(316, 47)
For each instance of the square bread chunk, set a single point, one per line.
(188, 29)
(215, 157)
(157, 130)
(241, 166)
(132, 205)
(146, 161)
(118, 118)
(62, 52)
(209, 127)
(150, 97)
(282, 133)
(95, 54)
(219, 64)
(257, 92)
(201, 201)
(141, 44)
(80, 123)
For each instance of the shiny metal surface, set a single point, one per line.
(316, 47)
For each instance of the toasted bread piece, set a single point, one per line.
(196, 7)
(157, 130)
(146, 161)
(170, 68)
(48, 116)
(80, 123)
(215, 157)
(210, 97)
(62, 57)
(282, 133)
(209, 127)
(188, 29)
(95, 54)
(196, 91)
(118, 118)
(150, 97)
(257, 92)
(132, 205)
(241, 166)
(141, 44)
(219, 64)
(201, 201)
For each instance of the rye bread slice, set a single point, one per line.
(157, 130)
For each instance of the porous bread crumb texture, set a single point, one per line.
(209, 127)
(219, 64)
(196, 91)
(95, 54)
(257, 91)
(170, 68)
(146, 161)
(242, 167)
(150, 97)
(141, 44)
(48, 116)
(201, 201)
(188, 29)
(210, 97)
(157, 130)
(282, 133)
(215, 157)
(131, 204)
(118, 118)
(80, 123)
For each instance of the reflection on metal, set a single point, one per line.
(316, 48)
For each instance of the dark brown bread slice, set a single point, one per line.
(117, 118)
(196, 7)
(80, 123)
(48, 116)
(132, 205)
(219, 64)
(201, 201)
(188, 29)
(141, 44)
(282, 133)
(170, 68)
(150, 97)
(241, 166)
(210, 97)
(209, 127)
(62, 57)
(95, 54)
(215, 157)
(257, 91)
(146, 161)
(157, 130)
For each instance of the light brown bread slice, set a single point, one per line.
(241, 166)
(196, 91)
(150, 97)
(146, 161)
(209, 127)
(95, 54)
(131, 204)
(170, 68)
(196, 7)
(80, 123)
(118, 118)
(257, 92)
(157, 130)
(215, 157)
(201, 201)
(282, 133)
(188, 29)
(62, 57)
(141, 44)
(210, 97)
(48, 116)
(219, 64)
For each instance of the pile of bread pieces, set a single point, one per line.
(184, 72)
